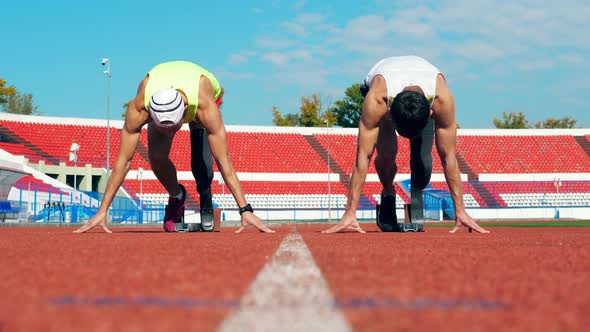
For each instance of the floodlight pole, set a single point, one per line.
(107, 62)
(140, 178)
(328, 155)
(74, 157)
(222, 183)
(75, 171)
(557, 183)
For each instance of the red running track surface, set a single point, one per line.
(519, 279)
(132, 280)
(140, 279)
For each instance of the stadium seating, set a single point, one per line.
(512, 154)
(471, 197)
(31, 183)
(541, 193)
(54, 140)
(296, 152)
(255, 152)
(343, 150)
(18, 149)
(267, 193)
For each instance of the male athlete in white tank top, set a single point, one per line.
(403, 71)
(408, 95)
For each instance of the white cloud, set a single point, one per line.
(236, 59)
(240, 57)
(299, 5)
(477, 50)
(467, 40)
(276, 58)
(298, 26)
(536, 64)
(225, 75)
(295, 28)
(283, 58)
(273, 43)
(573, 58)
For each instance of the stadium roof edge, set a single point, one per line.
(298, 130)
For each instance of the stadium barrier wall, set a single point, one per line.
(154, 214)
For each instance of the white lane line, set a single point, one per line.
(288, 294)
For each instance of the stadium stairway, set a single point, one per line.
(8, 135)
(465, 169)
(143, 151)
(487, 197)
(335, 168)
(583, 142)
(485, 194)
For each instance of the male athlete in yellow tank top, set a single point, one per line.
(171, 94)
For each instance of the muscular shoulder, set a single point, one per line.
(136, 115)
(442, 90)
(206, 92)
(443, 107)
(375, 105)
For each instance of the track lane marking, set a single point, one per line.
(288, 294)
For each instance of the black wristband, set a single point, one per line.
(247, 208)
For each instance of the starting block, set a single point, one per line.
(413, 216)
(407, 226)
(196, 227)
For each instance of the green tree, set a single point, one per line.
(289, 120)
(18, 103)
(312, 113)
(348, 110)
(550, 123)
(512, 121)
(5, 92)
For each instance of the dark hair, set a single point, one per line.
(410, 111)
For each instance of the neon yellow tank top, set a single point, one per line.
(183, 76)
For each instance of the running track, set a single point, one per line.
(140, 279)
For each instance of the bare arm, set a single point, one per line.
(446, 145)
(446, 142)
(129, 138)
(135, 118)
(210, 117)
(374, 108)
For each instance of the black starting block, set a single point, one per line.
(196, 227)
(410, 226)
(414, 216)
(183, 227)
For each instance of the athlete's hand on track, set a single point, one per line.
(250, 219)
(99, 219)
(463, 219)
(348, 222)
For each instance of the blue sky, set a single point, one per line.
(498, 56)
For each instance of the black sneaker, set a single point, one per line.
(386, 214)
(206, 201)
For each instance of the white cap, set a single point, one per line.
(167, 108)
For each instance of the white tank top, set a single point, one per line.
(402, 71)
